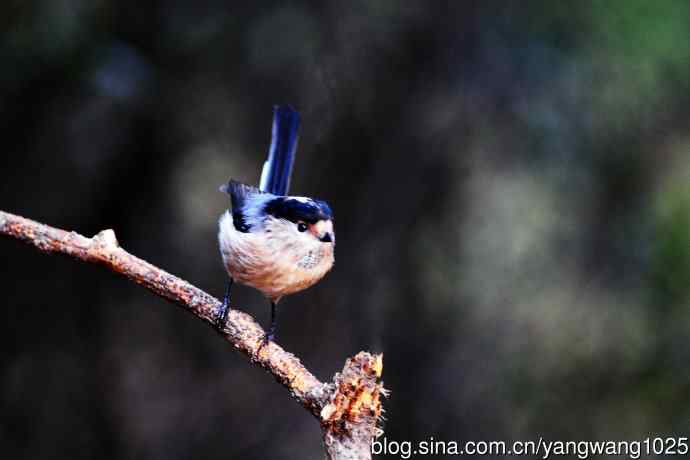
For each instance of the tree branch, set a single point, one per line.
(348, 408)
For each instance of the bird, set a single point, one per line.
(275, 243)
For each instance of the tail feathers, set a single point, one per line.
(275, 176)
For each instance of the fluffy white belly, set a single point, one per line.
(269, 264)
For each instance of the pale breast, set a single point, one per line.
(276, 268)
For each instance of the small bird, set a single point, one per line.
(275, 243)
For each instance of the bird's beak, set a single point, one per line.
(323, 231)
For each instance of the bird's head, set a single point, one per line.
(300, 222)
(305, 219)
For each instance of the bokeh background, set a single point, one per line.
(511, 184)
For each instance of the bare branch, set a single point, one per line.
(347, 409)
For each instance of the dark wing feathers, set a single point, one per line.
(238, 194)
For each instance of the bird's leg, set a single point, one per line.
(270, 335)
(222, 315)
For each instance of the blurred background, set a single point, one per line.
(511, 185)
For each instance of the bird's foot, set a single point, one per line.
(222, 315)
(267, 337)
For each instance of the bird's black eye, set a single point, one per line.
(302, 227)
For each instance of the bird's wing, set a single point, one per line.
(275, 176)
(239, 193)
(244, 202)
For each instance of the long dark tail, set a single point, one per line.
(275, 176)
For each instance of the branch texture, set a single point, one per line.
(348, 408)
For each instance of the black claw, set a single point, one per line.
(266, 338)
(269, 337)
(222, 315)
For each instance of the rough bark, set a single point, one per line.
(349, 420)
(348, 408)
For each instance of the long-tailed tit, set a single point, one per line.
(275, 243)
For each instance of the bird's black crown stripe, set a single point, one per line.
(310, 211)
